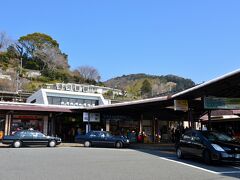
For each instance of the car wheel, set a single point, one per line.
(118, 144)
(52, 143)
(207, 157)
(17, 144)
(179, 153)
(87, 144)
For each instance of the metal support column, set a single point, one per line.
(107, 125)
(190, 119)
(9, 123)
(6, 125)
(209, 120)
(140, 124)
(153, 129)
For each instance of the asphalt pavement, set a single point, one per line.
(75, 163)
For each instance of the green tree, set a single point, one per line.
(34, 41)
(41, 52)
(146, 88)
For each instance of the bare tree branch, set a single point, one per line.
(51, 57)
(88, 72)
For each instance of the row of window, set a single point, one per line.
(71, 101)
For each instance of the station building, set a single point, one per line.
(60, 111)
(52, 110)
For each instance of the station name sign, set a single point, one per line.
(221, 103)
(71, 87)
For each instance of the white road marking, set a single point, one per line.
(203, 169)
(230, 172)
(189, 165)
(171, 160)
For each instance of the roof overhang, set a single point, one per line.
(151, 104)
(9, 106)
(227, 85)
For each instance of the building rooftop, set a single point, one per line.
(14, 106)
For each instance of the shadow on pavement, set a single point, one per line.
(229, 170)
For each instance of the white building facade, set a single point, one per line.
(67, 98)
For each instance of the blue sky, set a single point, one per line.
(194, 39)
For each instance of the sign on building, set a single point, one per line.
(94, 117)
(180, 105)
(221, 103)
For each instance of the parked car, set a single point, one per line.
(30, 137)
(102, 138)
(211, 146)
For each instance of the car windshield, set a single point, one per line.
(107, 134)
(17, 133)
(99, 134)
(216, 136)
(37, 134)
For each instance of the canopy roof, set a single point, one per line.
(227, 85)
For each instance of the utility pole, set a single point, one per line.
(20, 65)
(19, 74)
(17, 83)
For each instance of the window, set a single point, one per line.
(40, 135)
(187, 136)
(64, 101)
(17, 133)
(102, 134)
(195, 137)
(87, 101)
(56, 101)
(96, 102)
(215, 136)
(80, 101)
(26, 134)
(73, 100)
(93, 134)
(50, 100)
(108, 134)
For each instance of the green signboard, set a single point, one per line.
(221, 103)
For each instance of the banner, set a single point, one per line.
(181, 105)
(94, 117)
(221, 103)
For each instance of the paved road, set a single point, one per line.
(75, 163)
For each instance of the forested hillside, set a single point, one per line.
(143, 85)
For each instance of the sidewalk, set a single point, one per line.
(159, 146)
(70, 145)
(61, 145)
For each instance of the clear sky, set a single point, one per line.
(197, 39)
